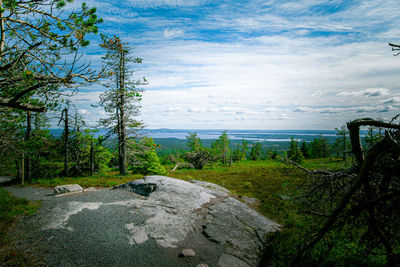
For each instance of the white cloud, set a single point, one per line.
(266, 61)
(270, 110)
(196, 109)
(370, 92)
(393, 100)
(172, 33)
(303, 109)
(162, 3)
(83, 111)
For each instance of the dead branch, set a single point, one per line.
(313, 172)
(354, 129)
(181, 165)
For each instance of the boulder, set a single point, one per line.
(139, 187)
(67, 188)
(6, 180)
(187, 253)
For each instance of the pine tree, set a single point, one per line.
(294, 153)
(341, 139)
(305, 149)
(221, 148)
(121, 100)
(39, 44)
(255, 153)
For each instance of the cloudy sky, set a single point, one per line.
(301, 64)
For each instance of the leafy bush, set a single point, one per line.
(144, 158)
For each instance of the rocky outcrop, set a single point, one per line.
(154, 221)
(180, 207)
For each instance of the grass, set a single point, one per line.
(269, 181)
(10, 209)
(108, 179)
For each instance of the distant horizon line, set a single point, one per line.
(215, 129)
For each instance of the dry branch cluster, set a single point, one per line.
(365, 197)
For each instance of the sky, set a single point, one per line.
(303, 64)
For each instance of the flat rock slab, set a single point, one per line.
(5, 180)
(117, 227)
(67, 188)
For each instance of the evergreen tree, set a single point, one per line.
(198, 155)
(240, 152)
(255, 153)
(294, 153)
(220, 148)
(305, 150)
(145, 160)
(194, 142)
(39, 44)
(121, 100)
(341, 141)
(372, 136)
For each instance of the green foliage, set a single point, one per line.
(198, 155)
(194, 142)
(247, 185)
(342, 144)
(256, 150)
(121, 99)
(373, 136)
(106, 179)
(240, 152)
(305, 150)
(294, 153)
(36, 43)
(145, 160)
(319, 147)
(220, 149)
(81, 142)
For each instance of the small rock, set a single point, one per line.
(187, 253)
(90, 189)
(67, 188)
(202, 265)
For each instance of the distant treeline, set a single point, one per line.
(226, 151)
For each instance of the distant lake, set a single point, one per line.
(250, 135)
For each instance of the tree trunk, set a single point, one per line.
(22, 168)
(28, 135)
(66, 141)
(122, 140)
(18, 167)
(91, 158)
(344, 146)
(2, 30)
